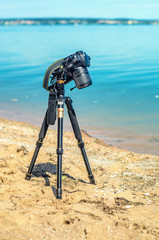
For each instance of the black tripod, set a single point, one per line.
(57, 100)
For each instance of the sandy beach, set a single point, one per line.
(122, 205)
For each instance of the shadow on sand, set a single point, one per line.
(44, 169)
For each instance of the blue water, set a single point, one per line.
(124, 68)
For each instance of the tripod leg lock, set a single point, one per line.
(59, 151)
(39, 144)
(80, 144)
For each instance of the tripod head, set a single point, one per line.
(73, 67)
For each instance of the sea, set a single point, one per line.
(121, 107)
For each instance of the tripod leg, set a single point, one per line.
(78, 136)
(59, 151)
(39, 143)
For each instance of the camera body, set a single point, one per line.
(73, 67)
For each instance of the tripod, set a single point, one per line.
(57, 100)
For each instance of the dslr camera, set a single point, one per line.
(73, 67)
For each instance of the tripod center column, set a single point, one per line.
(60, 110)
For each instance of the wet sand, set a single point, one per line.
(122, 205)
(121, 138)
(139, 143)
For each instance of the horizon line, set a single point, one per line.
(95, 18)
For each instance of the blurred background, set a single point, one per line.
(121, 107)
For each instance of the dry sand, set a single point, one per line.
(124, 203)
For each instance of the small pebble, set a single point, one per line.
(146, 194)
(128, 206)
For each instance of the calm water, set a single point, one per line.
(122, 105)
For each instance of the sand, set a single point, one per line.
(124, 203)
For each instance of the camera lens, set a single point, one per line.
(81, 77)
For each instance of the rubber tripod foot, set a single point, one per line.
(28, 177)
(59, 193)
(91, 178)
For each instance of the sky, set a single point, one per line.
(140, 9)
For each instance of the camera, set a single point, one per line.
(73, 67)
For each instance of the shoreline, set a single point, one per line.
(138, 143)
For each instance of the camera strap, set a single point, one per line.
(51, 111)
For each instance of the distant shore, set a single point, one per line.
(76, 21)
